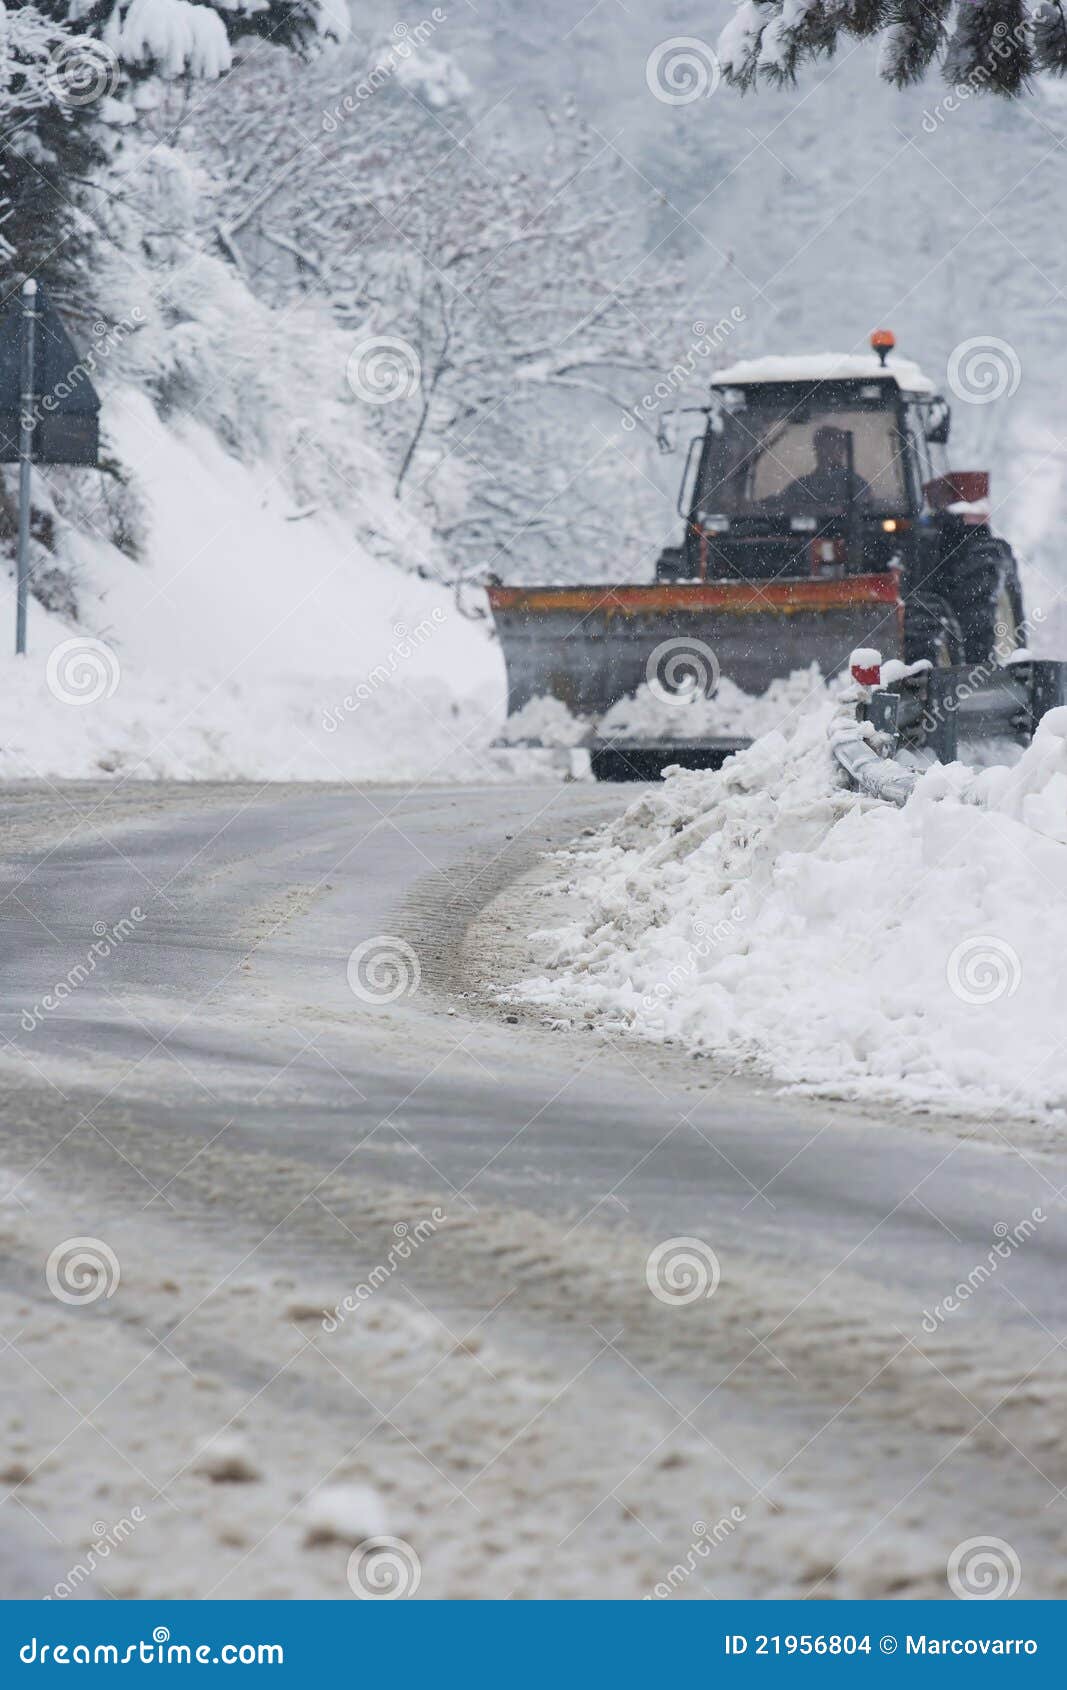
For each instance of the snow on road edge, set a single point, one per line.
(766, 915)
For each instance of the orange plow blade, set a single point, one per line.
(592, 646)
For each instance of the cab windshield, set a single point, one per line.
(764, 459)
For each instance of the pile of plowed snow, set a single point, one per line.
(767, 915)
(655, 714)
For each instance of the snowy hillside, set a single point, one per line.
(237, 593)
(254, 640)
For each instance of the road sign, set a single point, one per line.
(49, 411)
(66, 407)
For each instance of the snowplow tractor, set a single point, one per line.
(819, 515)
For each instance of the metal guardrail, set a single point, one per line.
(936, 711)
(875, 773)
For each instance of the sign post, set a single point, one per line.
(28, 316)
(49, 409)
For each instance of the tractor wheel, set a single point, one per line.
(987, 598)
(931, 631)
(1009, 627)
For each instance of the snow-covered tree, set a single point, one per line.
(174, 38)
(992, 45)
(49, 145)
(67, 69)
(511, 295)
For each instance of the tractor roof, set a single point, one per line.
(824, 366)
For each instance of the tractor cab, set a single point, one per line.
(810, 467)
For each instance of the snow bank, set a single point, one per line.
(652, 714)
(544, 721)
(767, 915)
(256, 641)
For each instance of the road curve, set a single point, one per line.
(191, 1078)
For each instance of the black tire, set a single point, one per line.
(985, 594)
(931, 631)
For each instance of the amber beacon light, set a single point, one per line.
(883, 342)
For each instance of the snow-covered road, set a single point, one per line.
(212, 1073)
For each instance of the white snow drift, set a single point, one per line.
(765, 914)
(256, 641)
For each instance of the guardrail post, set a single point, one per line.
(942, 731)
